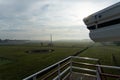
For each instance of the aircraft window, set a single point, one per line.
(92, 27)
(99, 16)
(105, 24)
(112, 22)
(95, 16)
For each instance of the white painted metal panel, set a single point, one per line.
(111, 33)
(104, 25)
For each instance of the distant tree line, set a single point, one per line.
(9, 40)
(117, 43)
(5, 40)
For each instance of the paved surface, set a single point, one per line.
(79, 76)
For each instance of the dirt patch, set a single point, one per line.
(40, 51)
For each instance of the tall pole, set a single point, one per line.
(51, 39)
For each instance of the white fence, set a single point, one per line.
(63, 69)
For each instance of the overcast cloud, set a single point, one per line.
(37, 19)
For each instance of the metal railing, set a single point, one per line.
(63, 69)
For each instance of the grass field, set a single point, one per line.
(16, 64)
(108, 55)
(104, 53)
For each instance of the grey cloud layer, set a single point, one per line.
(36, 19)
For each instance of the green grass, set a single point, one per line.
(105, 54)
(24, 64)
(17, 64)
(4, 61)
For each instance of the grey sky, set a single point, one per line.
(37, 19)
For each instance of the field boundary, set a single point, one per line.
(81, 51)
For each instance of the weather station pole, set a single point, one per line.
(51, 42)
